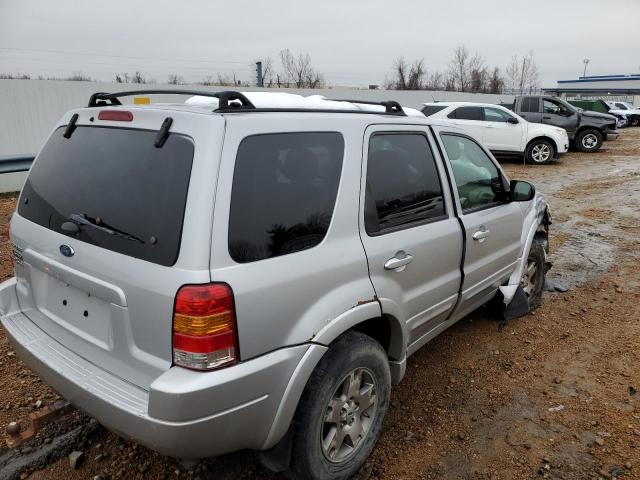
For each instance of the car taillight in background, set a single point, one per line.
(116, 115)
(204, 327)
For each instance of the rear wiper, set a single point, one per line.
(83, 220)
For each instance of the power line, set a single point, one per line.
(120, 56)
(119, 65)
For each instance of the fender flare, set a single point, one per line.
(367, 310)
(534, 218)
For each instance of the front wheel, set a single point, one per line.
(589, 140)
(533, 276)
(540, 152)
(340, 414)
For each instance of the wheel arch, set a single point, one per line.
(543, 137)
(366, 318)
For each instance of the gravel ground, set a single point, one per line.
(550, 395)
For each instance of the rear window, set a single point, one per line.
(467, 113)
(429, 110)
(121, 192)
(283, 194)
(530, 105)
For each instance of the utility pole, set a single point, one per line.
(586, 62)
(259, 79)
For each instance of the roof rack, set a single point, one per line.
(390, 106)
(232, 101)
(100, 99)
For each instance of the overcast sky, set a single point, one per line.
(350, 41)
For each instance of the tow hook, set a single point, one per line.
(50, 413)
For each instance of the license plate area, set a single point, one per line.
(79, 312)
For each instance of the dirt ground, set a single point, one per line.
(550, 395)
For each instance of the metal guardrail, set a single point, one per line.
(15, 163)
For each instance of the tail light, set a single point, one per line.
(204, 327)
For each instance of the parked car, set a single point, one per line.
(587, 130)
(603, 107)
(235, 274)
(502, 131)
(628, 109)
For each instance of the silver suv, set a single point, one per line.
(252, 271)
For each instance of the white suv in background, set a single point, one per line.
(502, 131)
(627, 110)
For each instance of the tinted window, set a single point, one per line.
(467, 113)
(116, 178)
(551, 107)
(530, 104)
(621, 106)
(283, 194)
(495, 115)
(476, 176)
(403, 186)
(429, 110)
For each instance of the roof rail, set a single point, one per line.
(102, 99)
(228, 102)
(390, 106)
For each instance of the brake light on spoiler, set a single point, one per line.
(116, 115)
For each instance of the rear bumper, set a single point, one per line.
(185, 414)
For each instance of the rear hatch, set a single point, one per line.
(103, 240)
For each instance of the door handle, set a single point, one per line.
(546, 118)
(398, 262)
(481, 235)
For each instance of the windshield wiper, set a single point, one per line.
(81, 219)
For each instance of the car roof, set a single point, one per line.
(462, 104)
(282, 103)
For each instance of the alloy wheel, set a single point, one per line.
(589, 141)
(541, 153)
(349, 415)
(529, 277)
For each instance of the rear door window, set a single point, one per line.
(467, 113)
(122, 193)
(403, 185)
(530, 105)
(283, 193)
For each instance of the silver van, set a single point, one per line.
(251, 271)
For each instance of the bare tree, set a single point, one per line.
(138, 77)
(407, 76)
(459, 69)
(298, 71)
(522, 74)
(175, 79)
(436, 81)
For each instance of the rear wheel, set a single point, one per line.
(340, 414)
(540, 152)
(589, 140)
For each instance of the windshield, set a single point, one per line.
(113, 188)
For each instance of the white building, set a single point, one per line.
(608, 87)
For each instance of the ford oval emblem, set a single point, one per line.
(66, 250)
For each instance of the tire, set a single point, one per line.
(351, 356)
(540, 151)
(634, 121)
(532, 281)
(589, 140)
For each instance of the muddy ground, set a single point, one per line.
(551, 395)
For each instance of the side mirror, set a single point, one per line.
(522, 191)
(513, 120)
